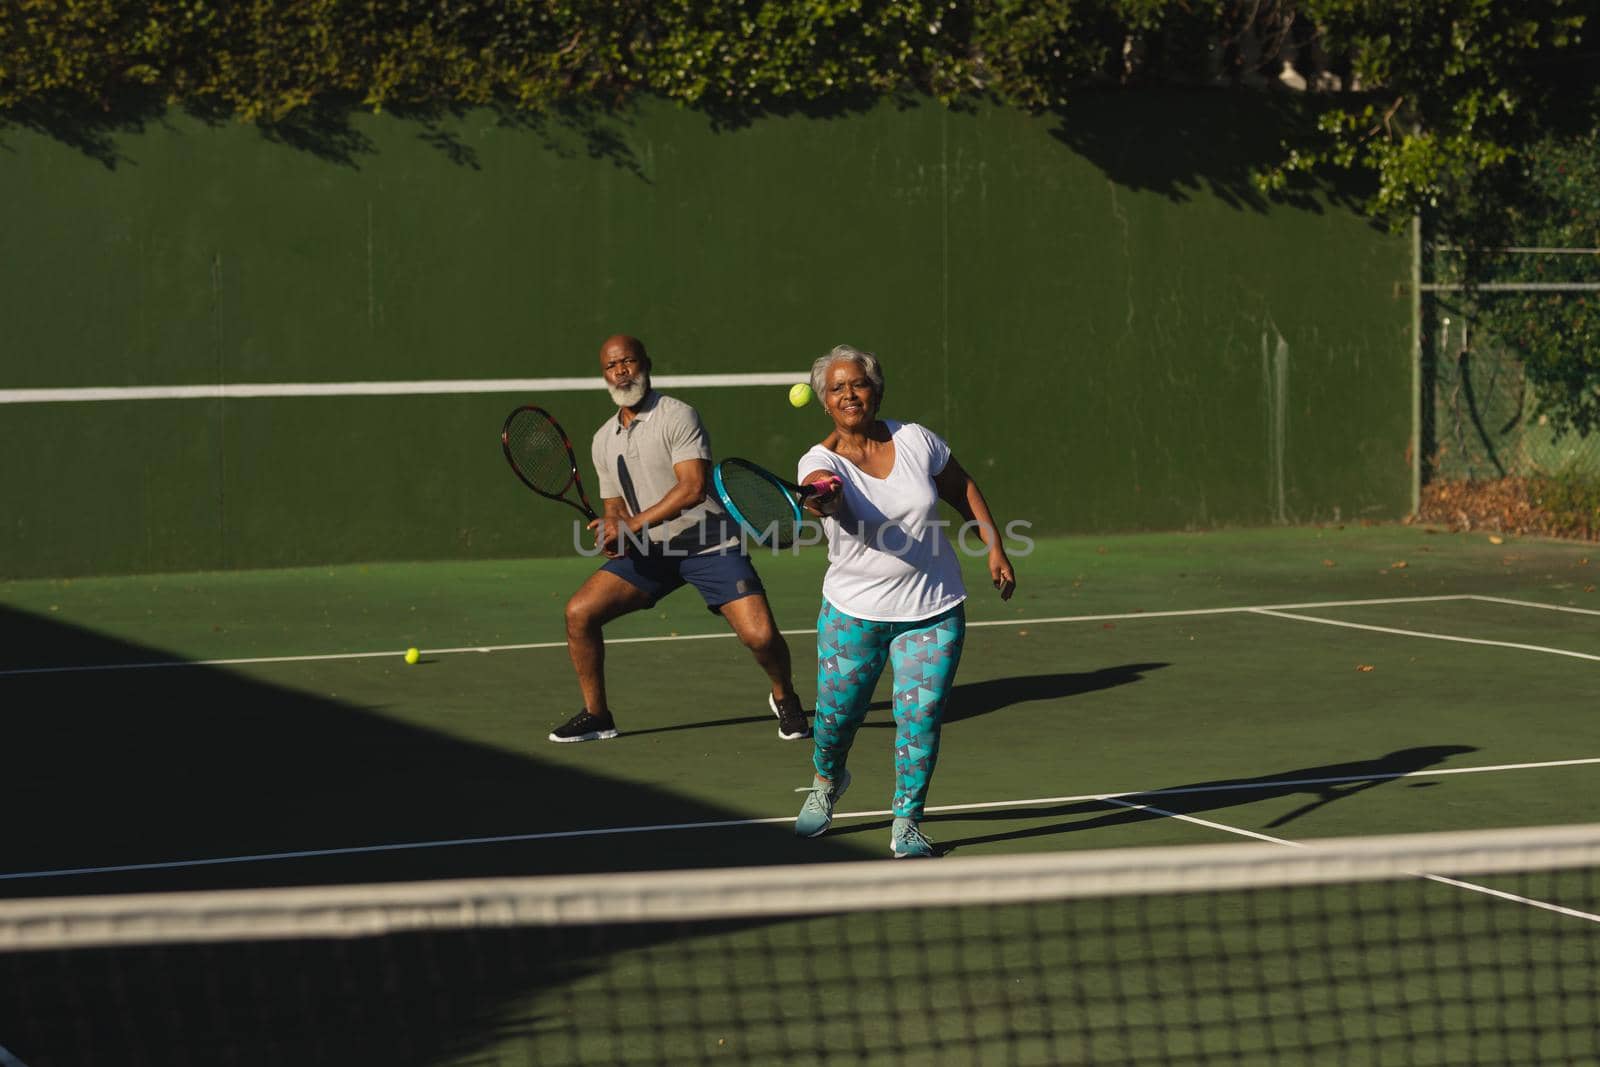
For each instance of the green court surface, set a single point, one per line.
(261, 728)
(225, 730)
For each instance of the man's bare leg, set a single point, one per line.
(751, 619)
(601, 598)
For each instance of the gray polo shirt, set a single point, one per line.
(663, 432)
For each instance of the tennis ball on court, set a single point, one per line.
(799, 394)
(412, 655)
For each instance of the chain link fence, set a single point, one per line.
(1478, 417)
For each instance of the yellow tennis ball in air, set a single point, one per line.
(800, 394)
(412, 655)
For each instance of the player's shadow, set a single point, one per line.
(1318, 785)
(972, 699)
(702, 724)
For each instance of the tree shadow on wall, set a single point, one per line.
(328, 128)
(89, 127)
(1180, 142)
(1175, 141)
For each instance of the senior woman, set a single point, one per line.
(893, 592)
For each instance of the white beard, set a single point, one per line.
(625, 396)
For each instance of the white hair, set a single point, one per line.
(865, 360)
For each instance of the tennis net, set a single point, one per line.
(1421, 949)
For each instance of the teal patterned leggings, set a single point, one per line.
(851, 654)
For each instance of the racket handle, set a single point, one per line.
(826, 487)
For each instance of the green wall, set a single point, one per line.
(1113, 331)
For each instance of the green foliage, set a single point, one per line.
(262, 59)
(1455, 87)
(1557, 337)
(1458, 90)
(1572, 502)
(724, 53)
(1550, 200)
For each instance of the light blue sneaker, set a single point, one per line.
(816, 814)
(906, 841)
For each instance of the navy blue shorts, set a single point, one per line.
(721, 577)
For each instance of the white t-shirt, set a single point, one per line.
(888, 557)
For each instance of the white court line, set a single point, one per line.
(439, 387)
(247, 660)
(1226, 787)
(1207, 823)
(553, 835)
(1220, 611)
(1455, 882)
(359, 850)
(244, 661)
(1535, 604)
(1420, 633)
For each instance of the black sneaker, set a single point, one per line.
(792, 725)
(585, 727)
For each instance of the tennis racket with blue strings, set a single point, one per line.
(765, 505)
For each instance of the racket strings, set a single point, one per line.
(539, 450)
(766, 507)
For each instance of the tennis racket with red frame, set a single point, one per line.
(540, 453)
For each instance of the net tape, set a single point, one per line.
(778, 891)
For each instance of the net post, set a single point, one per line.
(1416, 362)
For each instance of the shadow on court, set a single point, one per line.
(197, 777)
(704, 724)
(1318, 785)
(194, 769)
(972, 699)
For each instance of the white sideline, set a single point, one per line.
(1275, 610)
(717, 824)
(1535, 604)
(250, 660)
(1422, 633)
(1473, 887)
